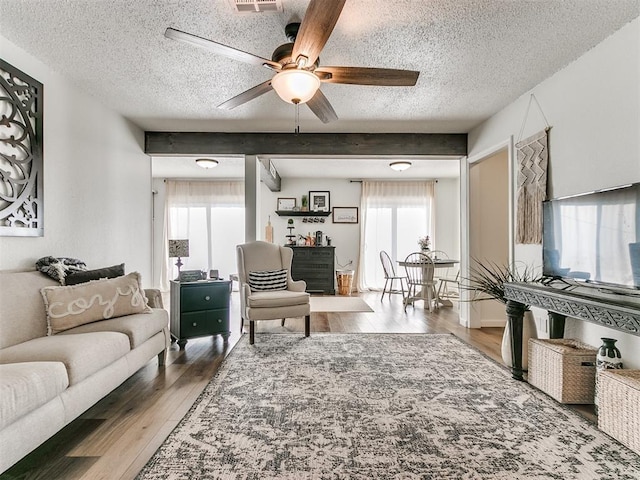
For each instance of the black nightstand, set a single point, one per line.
(199, 308)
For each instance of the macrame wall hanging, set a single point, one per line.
(21, 159)
(533, 156)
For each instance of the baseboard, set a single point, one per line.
(493, 322)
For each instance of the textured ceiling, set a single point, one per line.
(475, 57)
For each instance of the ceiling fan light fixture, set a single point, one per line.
(295, 86)
(207, 162)
(400, 165)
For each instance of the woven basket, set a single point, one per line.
(618, 406)
(563, 368)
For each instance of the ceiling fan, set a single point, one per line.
(298, 71)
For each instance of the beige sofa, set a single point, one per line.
(46, 381)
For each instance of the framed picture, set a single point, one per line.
(286, 204)
(319, 202)
(345, 214)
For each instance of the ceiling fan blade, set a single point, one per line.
(244, 97)
(321, 107)
(220, 49)
(369, 76)
(316, 27)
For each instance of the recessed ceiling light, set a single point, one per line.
(400, 166)
(207, 162)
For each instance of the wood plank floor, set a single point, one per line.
(117, 436)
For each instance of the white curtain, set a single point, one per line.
(211, 216)
(394, 215)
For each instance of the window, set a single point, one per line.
(395, 214)
(211, 215)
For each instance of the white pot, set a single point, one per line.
(529, 330)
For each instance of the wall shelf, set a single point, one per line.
(291, 213)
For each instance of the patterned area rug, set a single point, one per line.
(362, 406)
(338, 304)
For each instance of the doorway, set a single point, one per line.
(490, 226)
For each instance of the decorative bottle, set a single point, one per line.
(608, 358)
(608, 355)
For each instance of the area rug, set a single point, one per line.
(338, 304)
(388, 406)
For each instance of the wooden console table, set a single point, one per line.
(615, 311)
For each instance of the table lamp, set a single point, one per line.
(178, 248)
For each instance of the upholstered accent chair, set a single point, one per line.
(262, 303)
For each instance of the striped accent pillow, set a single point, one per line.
(268, 280)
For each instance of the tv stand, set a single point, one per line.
(618, 312)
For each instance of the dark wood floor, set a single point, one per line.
(116, 437)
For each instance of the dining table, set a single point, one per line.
(437, 263)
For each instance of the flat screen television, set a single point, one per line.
(594, 238)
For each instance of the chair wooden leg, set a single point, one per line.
(282, 322)
(406, 300)
(384, 289)
(251, 331)
(390, 288)
(241, 324)
(307, 325)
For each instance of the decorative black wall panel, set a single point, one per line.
(21, 159)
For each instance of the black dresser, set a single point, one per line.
(199, 308)
(314, 265)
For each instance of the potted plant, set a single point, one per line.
(486, 280)
(425, 243)
(305, 203)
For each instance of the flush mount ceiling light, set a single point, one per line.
(207, 162)
(400, 166)
(295, 85)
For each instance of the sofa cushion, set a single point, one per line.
(280, 298)
(83, 276)
(22, 314)
(139, 328)
(27, 386)
(75, 305)
(82, 354)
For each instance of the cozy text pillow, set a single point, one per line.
(75, 305)
(268, 280)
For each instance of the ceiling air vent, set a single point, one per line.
(256, 6)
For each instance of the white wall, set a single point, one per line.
(97, 181)
(159, 198)
(447, 221)
(345, 237)
(593, 106)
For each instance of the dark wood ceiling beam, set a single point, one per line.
(263, 143)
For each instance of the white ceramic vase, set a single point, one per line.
(529, 330)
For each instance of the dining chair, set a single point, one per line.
(445, 276)
(420, 269)
(390, 276)
(267, 291)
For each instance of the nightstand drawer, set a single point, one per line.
(207, 296)
(204, 323)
